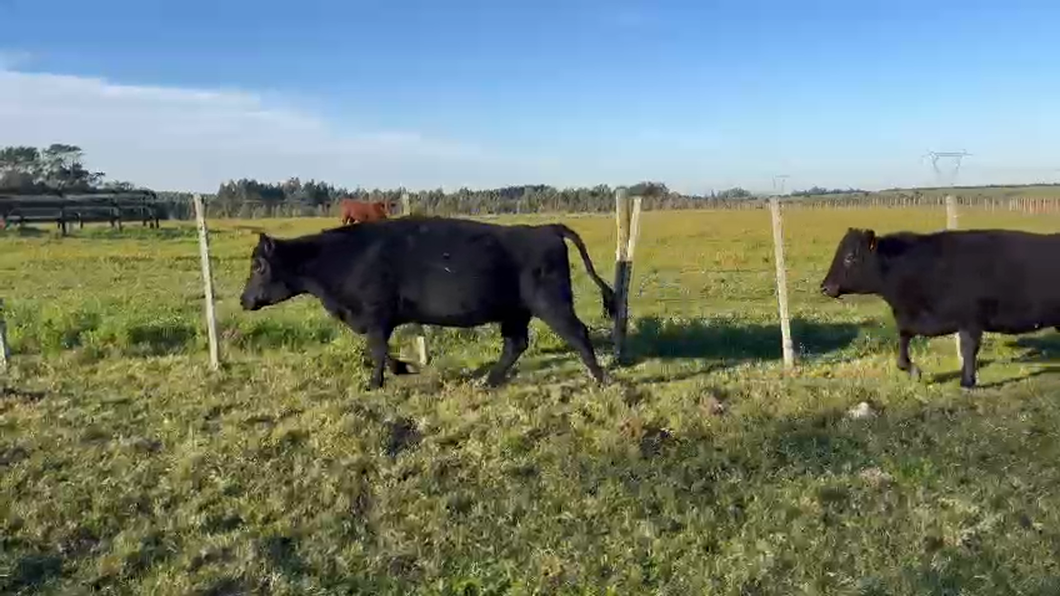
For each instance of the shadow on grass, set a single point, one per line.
(31, 571)
(15, 231)
(656, 338)
(158, 339)
(1040, 348)
(266, 334)
(135, 230)
(953, 375)
(1050, 370)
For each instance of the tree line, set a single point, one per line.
(59, 168)
(251, 198)
(56, 168)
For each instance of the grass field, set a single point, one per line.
(125, 466)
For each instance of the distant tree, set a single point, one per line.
(58, 167)
(118, 186)
(19, 168)
(734, 193)
(817, 191)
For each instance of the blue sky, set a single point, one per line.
(422, 93)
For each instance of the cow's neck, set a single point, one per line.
(321, 291)
(343, 310)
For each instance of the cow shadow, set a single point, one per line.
(955, 375)
(667, 339)
(1039, 348)
(1049, 370)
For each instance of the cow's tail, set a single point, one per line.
(607, 295)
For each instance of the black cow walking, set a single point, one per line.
(968, 281)
(433, 271)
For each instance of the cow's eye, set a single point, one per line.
(259, 266)
(849, 259)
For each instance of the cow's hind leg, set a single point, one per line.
(516, 334)
(970, 342)
(904, 363)
(562, 319)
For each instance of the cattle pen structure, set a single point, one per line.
(64, 209)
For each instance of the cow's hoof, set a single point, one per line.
(914, 372)
(968, 384)
(487, 382)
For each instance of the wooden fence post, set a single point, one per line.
(787, 349)
(406, 207)
(5, 351)
(621, 246)
(207, 281)
(627, 224)
(951, 224)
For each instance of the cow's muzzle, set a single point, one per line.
(830, 290)
(249, 303)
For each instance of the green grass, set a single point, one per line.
(126, 467)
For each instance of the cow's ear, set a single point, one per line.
(268, 245)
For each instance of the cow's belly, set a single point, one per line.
(926, 323)
(466, 303)
(1026, 320)
(991, 316)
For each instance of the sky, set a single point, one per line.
(700, 94)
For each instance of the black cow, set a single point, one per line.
(968, 281)
(434, 271)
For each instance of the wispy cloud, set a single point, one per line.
(178, 138)
(11, 59)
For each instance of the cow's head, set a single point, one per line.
(382, 209)
(854, 267)
(270, 278)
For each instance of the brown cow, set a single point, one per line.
(353, 211)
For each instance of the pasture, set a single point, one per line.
(126, 466)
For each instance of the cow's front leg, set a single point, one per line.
(970, 342)
(378, 346)
(358, 327)
(904, 363)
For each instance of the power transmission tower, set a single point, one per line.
(951, 203)
(941, 179)
(782, 178)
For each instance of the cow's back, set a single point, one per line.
(1004, 280)
(441, 271)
